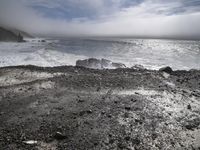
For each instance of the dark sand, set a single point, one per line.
(76, 108)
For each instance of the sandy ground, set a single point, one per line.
(77, 108)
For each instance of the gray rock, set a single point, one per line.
(118, 65)
(99, 63)
(89, 63)
(105, 63)
(138, 67)
(59, 136)
(43, 41)
(189, 107)
(166, 69)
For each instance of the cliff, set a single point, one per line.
(13, 35)
(6, 35)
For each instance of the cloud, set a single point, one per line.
(150, 18)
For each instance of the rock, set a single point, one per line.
(98, 89)
(154, 136)
(133, 100)
(109, 116)
(43, 41)
(89, 111)
(105, 63)
(85, 112)
(138, 67)
(20, 38)
(103, 112)
(98, 64)
(59, 136)
(30, 142)
(118, 65)
(127, 138)
(121, 145)
(1, 113)
(81, 100)
(138, 121)
(189, 107)
(166, 69)
(89, 63)
(194, 93)
(192, 124)
(126, 115)
(136, 141)
(128, 108)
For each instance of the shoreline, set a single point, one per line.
(30, 66)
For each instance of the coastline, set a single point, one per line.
(71, 107)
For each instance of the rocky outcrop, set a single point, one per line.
(20, 38)
(99, 64)
(6, 35)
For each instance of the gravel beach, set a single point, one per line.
(76, 108)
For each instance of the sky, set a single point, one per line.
(137, 18)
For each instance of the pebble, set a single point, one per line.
(189, 107)
(59, 136)
(81, 100)
(85, 112)
(30, 142)
(128, 108)
(133, 100)
(1, 113)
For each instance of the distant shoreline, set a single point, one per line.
(47, 68)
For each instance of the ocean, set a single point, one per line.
(151, 53)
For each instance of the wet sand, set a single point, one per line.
(77, 108)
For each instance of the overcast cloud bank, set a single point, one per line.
(141, 18)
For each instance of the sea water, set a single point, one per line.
(151, 53)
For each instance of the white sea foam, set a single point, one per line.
(34, 53)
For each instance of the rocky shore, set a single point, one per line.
(78, 108)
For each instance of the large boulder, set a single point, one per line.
(166, 69)
(99, 64)
(89, 63)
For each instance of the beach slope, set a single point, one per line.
(77, 108)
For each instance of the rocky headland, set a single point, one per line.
(13, 35)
